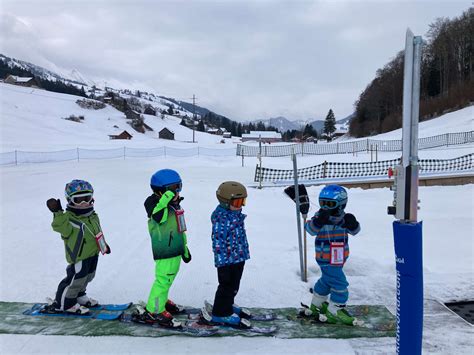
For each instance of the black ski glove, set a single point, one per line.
(54, 205)
(186, 259)
(108, 251)
(322, 218)
(303, 194)
(349, 222)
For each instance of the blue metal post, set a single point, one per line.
(409, 266)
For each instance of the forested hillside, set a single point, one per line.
(447, 81)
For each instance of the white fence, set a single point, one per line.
(364, 145)
(21, 157)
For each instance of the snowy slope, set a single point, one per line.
(453, 122)
(31, 119)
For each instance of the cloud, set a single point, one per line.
(244, 59)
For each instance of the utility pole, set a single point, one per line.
(194, 115)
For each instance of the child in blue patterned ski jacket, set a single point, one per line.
(229, 240)
(231, 250)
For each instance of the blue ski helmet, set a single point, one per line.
(332, 197)
(165, 179)
(76, 187)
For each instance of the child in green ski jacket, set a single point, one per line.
(168, 240)
(80, 230)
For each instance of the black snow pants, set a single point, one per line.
(229, 281)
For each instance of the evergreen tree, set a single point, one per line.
(330, 124)
(261, 126)
(183, 123)
(200, 127)
(239, 130)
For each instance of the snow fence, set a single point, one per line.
(328, 170)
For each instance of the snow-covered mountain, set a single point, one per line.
(284, 124)
(74, 77)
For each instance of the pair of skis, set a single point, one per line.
(198, 321)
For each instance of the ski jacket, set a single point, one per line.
(166, 240)
(78, 233)
(229, 240)
(328, 233)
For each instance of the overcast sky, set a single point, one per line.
(243, 59)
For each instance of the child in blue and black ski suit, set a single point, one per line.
(231, 250)
(331, 226)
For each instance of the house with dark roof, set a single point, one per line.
(123, 135)
(22, 81)
(165, 133)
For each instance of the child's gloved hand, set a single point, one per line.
(349, 222)
(322, 218)
(185, 258)
(167, 197)
(108, 251)
(54, 205)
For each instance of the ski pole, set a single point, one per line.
(304, 249)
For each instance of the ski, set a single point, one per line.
(247, 314)
(257, 317)
(112, 307)
(188, 327)
(245, 326)
(38, 308)
(306, 313)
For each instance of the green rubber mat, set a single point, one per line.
(379, 322)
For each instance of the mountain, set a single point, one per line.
(283, 124)
(74, 77)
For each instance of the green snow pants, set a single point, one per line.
(165, 273)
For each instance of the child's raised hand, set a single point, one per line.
(54, 205)
(321, 218)
(350, 222)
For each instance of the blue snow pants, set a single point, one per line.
(333, 281)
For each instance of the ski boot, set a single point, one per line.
(87, 301)
(78, 309)
(337, 313)
(174, 308)
(53, 307)
(164, 319)
(313, 311)
(241, 312)
(233, 320)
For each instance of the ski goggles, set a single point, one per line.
(175, 187)
(328, 204)
(238, 202)
(81, 199)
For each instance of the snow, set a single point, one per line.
(32, 256)
(32, 120)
